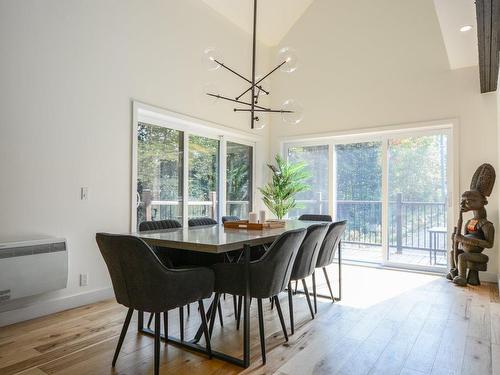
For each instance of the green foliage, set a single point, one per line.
(287, 181)
(203, 167)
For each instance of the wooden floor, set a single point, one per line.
(388, 322)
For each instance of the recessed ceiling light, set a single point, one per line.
(466, 28)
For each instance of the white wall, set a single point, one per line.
(68, 72)
(370, 64)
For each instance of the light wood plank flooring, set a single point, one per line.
(389, 322)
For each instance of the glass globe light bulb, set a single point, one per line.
(293, 112)
(210, 58)
(260, 121)
(290, 57)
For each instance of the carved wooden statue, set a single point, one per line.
(479, 233)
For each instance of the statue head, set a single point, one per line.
(480, 188)
(472, 200)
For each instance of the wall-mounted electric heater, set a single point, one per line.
(32, 267)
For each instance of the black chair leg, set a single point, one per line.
(296, 285)
(151, 316)
(188, 309)
(235, 307)
(280, 314)
(219, 309)
(328, 283)
(308, 298)
(272, 302)
(122, 335)
(261, 331)
(157, 343)
(213, 314)
(238, 319)
(315, 294)
(290, 307)
(205, 327)
(165, 326)
(181, 322)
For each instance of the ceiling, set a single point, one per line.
(274, 17)
(460, 46)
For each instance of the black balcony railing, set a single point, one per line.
(412, 225)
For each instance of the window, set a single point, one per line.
(238, 179)
(203, 183)
(185, 168)
(314, 200)
(159, 173)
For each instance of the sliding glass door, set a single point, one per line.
(181, 175)
(417, 200)
(393, 192)
(316, 199)
(358, 186)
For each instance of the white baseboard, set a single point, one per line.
(488, 277)
(54, 305)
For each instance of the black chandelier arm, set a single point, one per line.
(239, 75)
(262, 110)
(237, 101)
(260, 80)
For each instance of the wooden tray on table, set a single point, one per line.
(244, 224)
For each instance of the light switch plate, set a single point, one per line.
(84, 193)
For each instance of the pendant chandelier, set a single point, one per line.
(287, 61)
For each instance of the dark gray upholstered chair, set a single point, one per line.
(159, 224)
(168, 257)
(315, 217)
(160, 252)
(229, 218)
(199, 221)
(327, 252)
(305, 263)
(268, 276)
(141, 282)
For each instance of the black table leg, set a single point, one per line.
(246, 309)
(140, 320)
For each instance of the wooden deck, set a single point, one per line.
(389, 322)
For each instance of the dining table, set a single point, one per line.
(217, 239)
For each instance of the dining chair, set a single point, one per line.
(199, 221)
(305, 263)
(165, 255)
(315, 217)
(331, 243)
(201, 259)
(229, 218)
(142, 282)
(268, 277)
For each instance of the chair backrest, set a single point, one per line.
(229, 218)
(305, 262)
(199, 221)
(137, 275)
(271, 273)
(314, 217)
(331, 243)
(158, 225)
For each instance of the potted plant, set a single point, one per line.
(288, 180)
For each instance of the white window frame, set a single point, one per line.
(450, 127)
(145, 113)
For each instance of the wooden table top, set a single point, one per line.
(216, 238)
